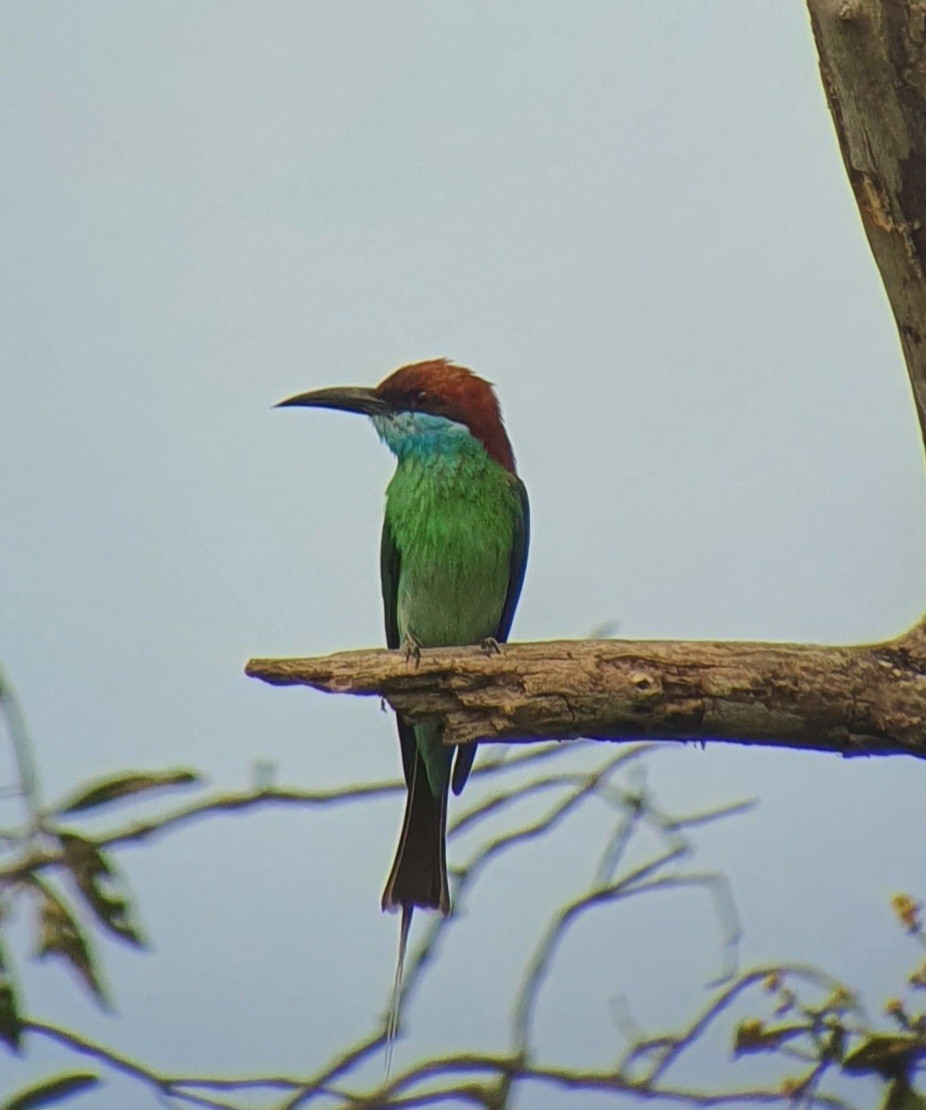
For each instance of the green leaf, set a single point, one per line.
(60, 935)
(112, 789)
(886, 1054)
(834, 1046)
(901, 1096)
(756, 1036)
(10, 1021)
(96, 878)
(52, 1090)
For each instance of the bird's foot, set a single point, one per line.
(491, 646)
(412, 649)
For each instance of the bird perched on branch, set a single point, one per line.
(454, 549)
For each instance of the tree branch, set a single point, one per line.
(873, 68)
(867, 700)
(853, 700)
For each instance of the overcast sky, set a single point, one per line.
(634, 219)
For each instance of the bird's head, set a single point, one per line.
(426, 406)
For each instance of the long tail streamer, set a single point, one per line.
(392, 1026)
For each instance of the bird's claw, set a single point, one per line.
(412, 650)
(491, 646)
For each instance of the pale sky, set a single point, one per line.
(634, 219)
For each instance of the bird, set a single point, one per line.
(453, 555)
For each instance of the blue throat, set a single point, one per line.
(419, 435)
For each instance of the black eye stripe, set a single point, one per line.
(421, 400)
(412, 400)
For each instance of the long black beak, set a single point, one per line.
(347, 398)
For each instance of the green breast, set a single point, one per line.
(453, 521)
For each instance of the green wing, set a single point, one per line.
(389, 567)
(516, 568)
(517, 565)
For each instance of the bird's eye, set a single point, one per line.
(421, 395)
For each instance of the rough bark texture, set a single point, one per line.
(852, 700)
(873, 66)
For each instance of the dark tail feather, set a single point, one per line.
(462, 765)
(419, 874)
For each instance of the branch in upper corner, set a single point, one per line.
(873, 67)
(865, 700)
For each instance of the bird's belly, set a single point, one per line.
(452, 593)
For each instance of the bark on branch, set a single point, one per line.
(873, 67)
(853, 700)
